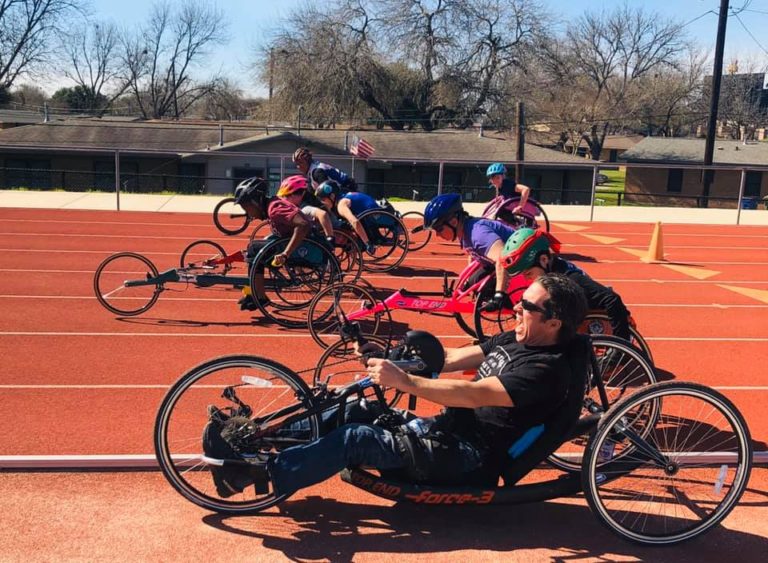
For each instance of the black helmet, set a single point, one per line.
(254, 190)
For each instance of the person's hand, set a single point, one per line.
(518, 210)
(367, 348)
(370, 248)
(279, 259)
(500, 300)
(330, 241)
(385, 373)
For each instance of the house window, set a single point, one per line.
(192, 178)
(752, 184)
(675, 180)
(27, 173)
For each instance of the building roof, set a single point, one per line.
(184, 138)
(691, 151)
(550, 139)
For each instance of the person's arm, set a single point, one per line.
(604, 298)
(324, 219)
(486, 392)
(344, 209)
(524, 192)
(301, 228)
(461, 359)
(494, 254)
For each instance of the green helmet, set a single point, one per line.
(523, 248)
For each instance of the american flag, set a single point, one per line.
(361, 148)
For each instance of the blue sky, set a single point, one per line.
(250, 22)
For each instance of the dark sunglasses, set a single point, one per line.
(533, 308)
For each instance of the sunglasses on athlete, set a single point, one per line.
(534, 308)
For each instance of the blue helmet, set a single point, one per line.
(328, 188)
(496, 168)
(442, 209)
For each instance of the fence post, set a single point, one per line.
(594, 190)
(742, 183)
(117, 178)
(440, 179)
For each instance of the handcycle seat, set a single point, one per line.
(539, 441)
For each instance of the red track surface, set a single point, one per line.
(706, 322)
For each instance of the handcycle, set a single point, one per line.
(640, 478)
(129, 284)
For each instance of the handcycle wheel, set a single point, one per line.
(229, 217)
(205, 255)
(678, 479)
(348, 254)
(340, 365)
(490, 323)
(267, 392)
(291, 287)
(418, 236)
(600, 323)
(324, 315)
(390, 238)
(111, 284)
(260, 231)
(539, 218)
(623, 370)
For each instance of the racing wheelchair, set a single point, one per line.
(661, 466)
(129, 284)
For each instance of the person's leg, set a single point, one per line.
(348, 446)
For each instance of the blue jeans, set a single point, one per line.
(360, 444)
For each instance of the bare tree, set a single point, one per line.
(27, 30)
(743, 103)
(225, 102)
(92, 51)
(159, 60)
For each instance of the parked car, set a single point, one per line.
(602, 179)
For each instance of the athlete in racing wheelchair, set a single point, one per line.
(523, 380)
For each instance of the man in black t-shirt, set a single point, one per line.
(522, 379)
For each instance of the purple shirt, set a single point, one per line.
(481, 234)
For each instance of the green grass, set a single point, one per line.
(608, 193)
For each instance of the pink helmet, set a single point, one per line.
(291, 185)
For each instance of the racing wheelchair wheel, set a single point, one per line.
(122, 284)
(674, 481)
(600, 323)
(324, 317)
(229, 217)
(418, 236)
(340, 365)
(348, 254)
(262, 230)
(536, 221)
(291, 287)
(205, 255)
(260, 394)
(390, 238)
(622, 370)
(490, 323)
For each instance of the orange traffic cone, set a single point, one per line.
(656, 248)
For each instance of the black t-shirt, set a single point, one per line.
(536, 378)
(507, 188)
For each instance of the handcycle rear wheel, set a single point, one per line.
(341, 365)
(389, 237)
(109, 284)
(270, 390)
(291, 287)
(623, 370)
(678, 479)
(600, 323)
(324, 315)
(204, 255)
(418, 236)
(229, 217)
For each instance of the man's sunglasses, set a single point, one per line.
(533, 308)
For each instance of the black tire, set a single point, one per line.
(348, 254)
(323, 319)
(109, 284)
(205, 255)
(490, 323)
(389, 236)
(183, 415)
(600, 324)
(262, 230)
(229, 217)
(291, 287)
(340, 365)
(706, 450)
(418, 236)
(624, 370)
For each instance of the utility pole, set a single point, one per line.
(520, 150)
(717, 74)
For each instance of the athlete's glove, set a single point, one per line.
(500, 300)
(330, 241)
(370, 248)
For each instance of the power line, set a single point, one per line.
(750, 33)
